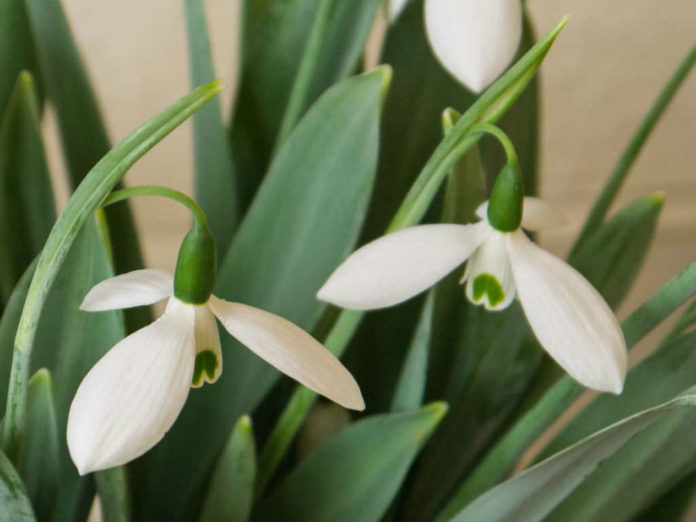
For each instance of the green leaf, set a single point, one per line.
(27, 209)
(619, 490)
(355, 475)
(672, 506)
(326, 169)
(214, 173)
(501, 458)
(611, 258)
(14, 504)
(531, 495)
(231, 489)
(410, 389)
(81, 125)
(274, 37)
(68, 342)
(112, 488)
(17, 51)
(39, 467)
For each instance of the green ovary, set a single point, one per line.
(206, 362)
(488, 284)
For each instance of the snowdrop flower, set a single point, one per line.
(570, 319)
(475, 40)
(133, 395)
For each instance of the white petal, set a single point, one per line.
(137, 288)
(475, 40)
(488, 276)
(208, 365)
(291, 350)
(537, 214)
(569, 317)
(132, 396)
(398, 266)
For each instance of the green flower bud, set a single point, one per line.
(194, 277)
(505, 204)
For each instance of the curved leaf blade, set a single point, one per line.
(14, 504)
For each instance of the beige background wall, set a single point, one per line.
(601, 76)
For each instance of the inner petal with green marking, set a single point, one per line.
(205, 369)
(488, 276)
(488, 285)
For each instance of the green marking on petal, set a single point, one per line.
(488, 284)
(206, 363)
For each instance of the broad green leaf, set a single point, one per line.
(613, 255)
(68, 343)
(410, 389)
(274, 37)
(308, 213)
(39, 467)
(355, 475)
(498, 462)
(14, 504)
(646, 467)
(231, 489)
(214, 173)
(81, 125)
(27, 209)
(659, 377)
(531, 495)
(637, 474)
(112, 488)
(17, 51)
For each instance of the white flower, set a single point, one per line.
(475, 40)
(569, 317)
(133, 395)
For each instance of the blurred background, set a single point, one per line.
(598, 81)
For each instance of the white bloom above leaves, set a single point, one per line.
(475, 40)
(133, 395)
(570, 319)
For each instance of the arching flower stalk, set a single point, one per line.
(133, 395)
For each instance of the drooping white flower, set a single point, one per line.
(133, 395)
(475, 40)
(570, 319)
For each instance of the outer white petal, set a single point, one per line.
(569, 317)
(132, 396)
(398, 266)
(395, 7)
(140, 287)
(208, 350)
(491, 259)
(537, 214)
(291, 350)
(475, 40)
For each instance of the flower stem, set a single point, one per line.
(628, 158)
(154, 190)
(305, 72)
(487, 109)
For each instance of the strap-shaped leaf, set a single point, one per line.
(68, 343)
(304, 220)
(27, 209)
(39, 468)
(231, 489)
(531, 495)
(14, 503)
(214, 179)
(83, 134)
(355, 475)
(274, 36)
